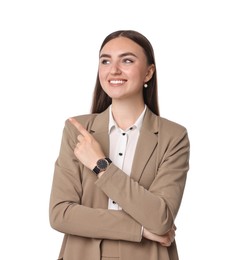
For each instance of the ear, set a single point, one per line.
(150, 72)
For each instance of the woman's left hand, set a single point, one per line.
(88, 150)
(164, 240)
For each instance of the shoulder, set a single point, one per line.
(170, 126)
(172, 132)
(155, 123)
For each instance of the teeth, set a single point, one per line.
(116, 81)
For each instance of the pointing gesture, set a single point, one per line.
(79, 127)
(87, 150)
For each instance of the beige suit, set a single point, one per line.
(150, 198)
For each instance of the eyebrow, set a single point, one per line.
(121, 55)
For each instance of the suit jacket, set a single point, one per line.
(150, 197)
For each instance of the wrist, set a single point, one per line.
(101, 166)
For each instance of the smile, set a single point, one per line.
(117, 82)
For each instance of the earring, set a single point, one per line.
(145, 85)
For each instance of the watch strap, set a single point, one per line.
(109, 161)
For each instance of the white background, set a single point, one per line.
(48, 66)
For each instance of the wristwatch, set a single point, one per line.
(102, 165)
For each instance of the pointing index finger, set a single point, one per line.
(78, 126)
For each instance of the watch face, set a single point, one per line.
(102, 164)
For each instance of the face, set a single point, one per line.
(123, 69)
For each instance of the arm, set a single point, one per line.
(73, 210)
(163, 197)
(70, 217)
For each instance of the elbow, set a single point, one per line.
(59, 218)
(161, 223)
(56, 219)
(164, 226)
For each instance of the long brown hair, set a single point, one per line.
(101, 100)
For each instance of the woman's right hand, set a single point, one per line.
(164, 240)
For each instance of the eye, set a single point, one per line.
(105, 61)
(127, 60)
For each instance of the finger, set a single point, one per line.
(78, 126)
(172, 236)
(174, 227)
(80, 138)
(172, 232)
(166, 244)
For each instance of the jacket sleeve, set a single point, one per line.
(67, 213)
(154, 207)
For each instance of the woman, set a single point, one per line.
(121, 170)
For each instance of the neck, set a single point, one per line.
(125, 114)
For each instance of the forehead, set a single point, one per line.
(121, 45)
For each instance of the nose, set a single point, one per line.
(115, 69)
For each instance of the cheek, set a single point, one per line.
(101, 79)
(102, 73)
(138, 76)
(139, 71)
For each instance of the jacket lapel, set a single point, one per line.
(99, 130)
(147, 142)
